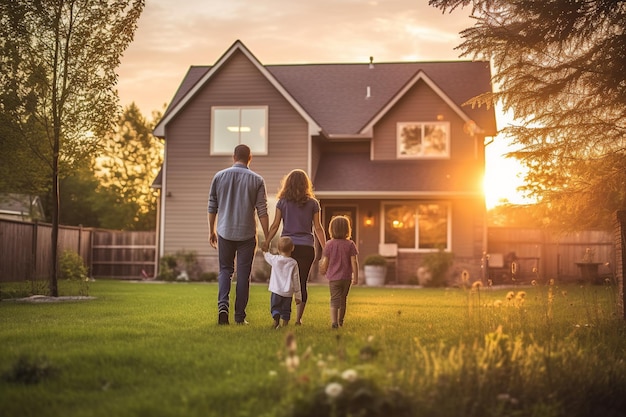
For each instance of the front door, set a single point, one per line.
(330, 211)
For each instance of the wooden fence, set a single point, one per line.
(549, 255)
(25, 251)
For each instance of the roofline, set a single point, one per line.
(397, 195)
(420, 75)
(159, 130)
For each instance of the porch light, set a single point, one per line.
(369, 220)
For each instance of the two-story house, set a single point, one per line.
(391, 145)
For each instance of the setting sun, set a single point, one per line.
(503, 176)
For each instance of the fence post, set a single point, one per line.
(33, 251)
(620, 256)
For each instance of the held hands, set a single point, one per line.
(265, 246)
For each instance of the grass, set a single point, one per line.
(156, 350)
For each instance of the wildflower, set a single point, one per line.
(290, 342)
(510, 295)
(333, 390)
(534, 269)
(551, 282)
(273, 374)
(533, 282)
(370, 339)
(292, 362)
(521, 295)
(321, 364)
(465, 276)
(349, 375)
(497, 303)
(476, 285)
(489, 283)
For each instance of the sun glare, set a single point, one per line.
(503, 176)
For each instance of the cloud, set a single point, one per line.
(172, 36)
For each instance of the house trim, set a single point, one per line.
(404, 195)
(159, 130)
(420, 75)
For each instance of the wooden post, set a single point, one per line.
(620, 256)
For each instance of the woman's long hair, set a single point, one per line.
(296, 186)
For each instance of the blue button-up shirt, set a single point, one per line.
(236, 193)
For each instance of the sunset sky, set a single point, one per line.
(173, 35)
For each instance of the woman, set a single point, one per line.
(299, 211)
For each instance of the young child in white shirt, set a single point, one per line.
(284, 281)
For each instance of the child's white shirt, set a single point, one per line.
(285, 277)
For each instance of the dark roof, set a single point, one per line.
(334, 95)
(362, 176)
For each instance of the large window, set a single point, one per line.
(423, 140)
(232, 126)
(417, 225)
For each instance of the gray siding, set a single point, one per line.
(190, 167)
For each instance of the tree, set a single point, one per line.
(130, 162)
(560, 66)
(58, 76)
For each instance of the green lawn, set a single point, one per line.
(154, 349)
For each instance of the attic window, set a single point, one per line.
(232, 126)
(423, 140)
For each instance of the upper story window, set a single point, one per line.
(417, 225)
(423, 140)
(232, 126)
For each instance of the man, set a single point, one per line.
(236, 194)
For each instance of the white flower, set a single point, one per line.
(333, 390)
(350, 375)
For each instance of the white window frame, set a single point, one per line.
(416, 203)
(256, 149)
(419, 151)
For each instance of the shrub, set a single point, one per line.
(438, 264)
(375, 259)
(183, 264)
(72, 268)
(208, 276)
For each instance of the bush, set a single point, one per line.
(72, 268)
(375, 259)
(208, 276)
(438, 263)
(183, 265)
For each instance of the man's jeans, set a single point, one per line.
(244, 251)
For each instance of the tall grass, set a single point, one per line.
(156, 350)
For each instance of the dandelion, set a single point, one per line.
(333, 390)
(476, 285)
(521, 294)
(510, 295)
(292, 363)
(534, 269)
(489, 283)
(497, 303)
(370, 339)
(551, 282)
(465, 276)
(290, 342)
(349, 375)
(533, 282)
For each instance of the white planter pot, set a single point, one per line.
(375, 275)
